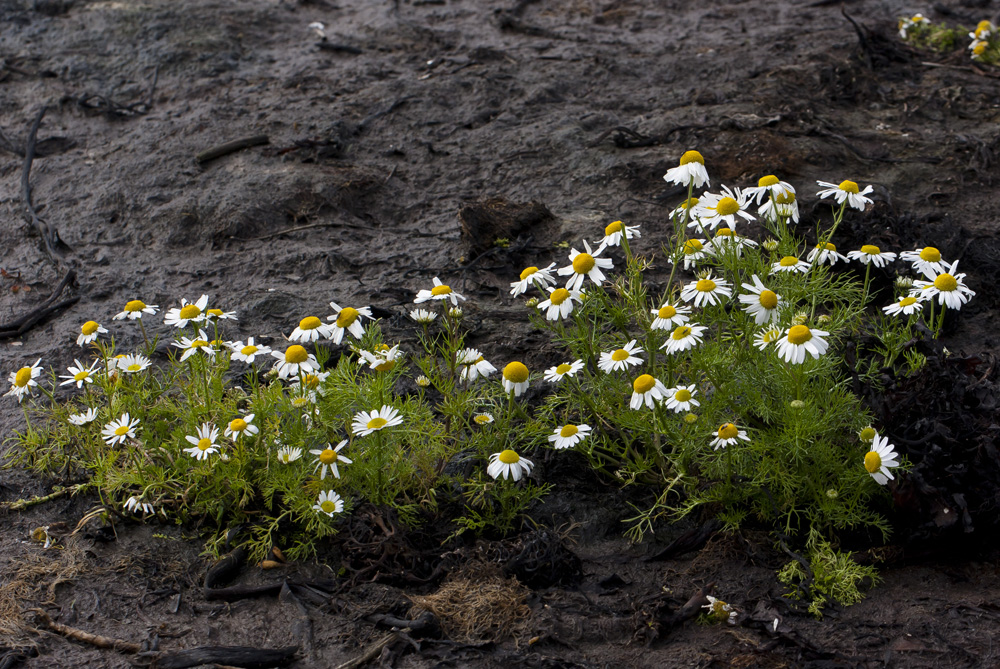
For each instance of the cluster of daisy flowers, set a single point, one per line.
(984, 42)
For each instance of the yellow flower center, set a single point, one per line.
(828, 247)
(329, 456)
(199, 343)
(705, 285)
(296, 354)
(930, 254)
(788, 261)
(385, 366)
(848, 186)
(558, 296)
(528, 271)
(770, 336)
(134, 367)
(22, 377)
(619, 355)
(215, 313)
(563, 368)
(680, 332)
(248, 350)
(979, 49)
(689, 203)
(799, 334)
(907, 301)
(643, 384)
(692, 246)
(346, 317)
(945, 283)
(482, 419)
(440, 290)
(873, 462)
(328, 506)
(728, 431)
(667, 311)
(871, 250)
(376, 423)
(612, 228)
(89, 328)
(682, 395)
(80, 376)
(204, 444)
(509, 457)
(724, 232)
(692, 157)
(583, 263)
(515, 372)
(135, 305)
(727, 206)
(310, 381)
(867, 434)
(769, 180)
(309, 323)
(120, 430)
(787, 197)
(237, 425)
(568, 431)
(768, 299)
(189, 311)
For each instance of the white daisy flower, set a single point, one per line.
(728, 435)
(293, 361)
(769, 186)
(872, 254)
(425, 317)
(327, 459)
(726, 239)
(569, 435)
(87, 416)
(707, 291)
(135, 309)
(790, 264)
(560, 303)
(367, 422)
(135, 505)
(515, 378)
(694, 251)
(680, 211)
(647, 390)
(717, 208)
(541, 278)
(440, 291)
(691, 168)
(681, 398)
(311, 329)
(906, 306)
(214, 315)
(798, 341)
(562, 370)
(721, 611)
(927, 261)
(782, 207)
(203, 442)
(683, 338)
(761, 303)
(880, 459)
(906, 25)
(248, 352)
(846, 190)
(614, 231)
(827, 254)
(287, 454)
(329, 503)
(349, 319)
(187, 312)
(668, 315)
(509, 464)
(309, 383)
(949, 287)
(79, 374)
(117, 431)
(382, 360)
(190, 346)
(620, 359)
(89, 332)
(585, 265)
(984, 30)
(766, 337)
(473, 364)
(483, 418)
(241, 427)
(133, 363)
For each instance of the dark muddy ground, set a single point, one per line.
(376, 141)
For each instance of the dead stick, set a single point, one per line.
(86, 637)
(29, 156)
(21, 504)
(230, 147)
(370, 653)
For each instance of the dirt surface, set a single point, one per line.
(378, 137)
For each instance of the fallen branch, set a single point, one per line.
(231, 147)
(370, 653)
(47, 308)
(86, 637)
(231, 656)
(21, 504)
(49, 235)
